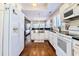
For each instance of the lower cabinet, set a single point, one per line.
(28, 38)
(61, 43)
(53, 39)
(35, 35)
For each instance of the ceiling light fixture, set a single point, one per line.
(34, 4)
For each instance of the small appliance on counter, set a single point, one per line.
(74, 32)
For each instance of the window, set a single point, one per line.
(57, 21)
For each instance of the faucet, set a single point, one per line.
(59, 29)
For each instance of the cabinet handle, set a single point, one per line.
(15, 29)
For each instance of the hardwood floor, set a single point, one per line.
(38, 49)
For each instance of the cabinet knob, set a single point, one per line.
(15, 29)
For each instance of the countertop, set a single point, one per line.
(65, 34)
(27, 32)
(62, 33)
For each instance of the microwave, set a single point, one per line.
(71, 11)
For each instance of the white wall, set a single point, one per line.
(1, 26)
(6, 30)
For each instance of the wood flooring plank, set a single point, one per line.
(38, 49)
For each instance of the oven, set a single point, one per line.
(64, 46)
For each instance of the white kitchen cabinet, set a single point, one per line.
(41, 36)
(46, 34)
(35, 35)
(28, 38)
(53, 39)
(49, 35)
(75, 47)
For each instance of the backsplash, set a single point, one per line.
(74, 23)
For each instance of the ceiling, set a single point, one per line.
(40, 11)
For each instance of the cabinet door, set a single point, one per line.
(49, 35)
(46, 35)
(51, 38)
(32, 35)
(55, 40)
(42, 36)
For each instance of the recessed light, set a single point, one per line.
(34, 4)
